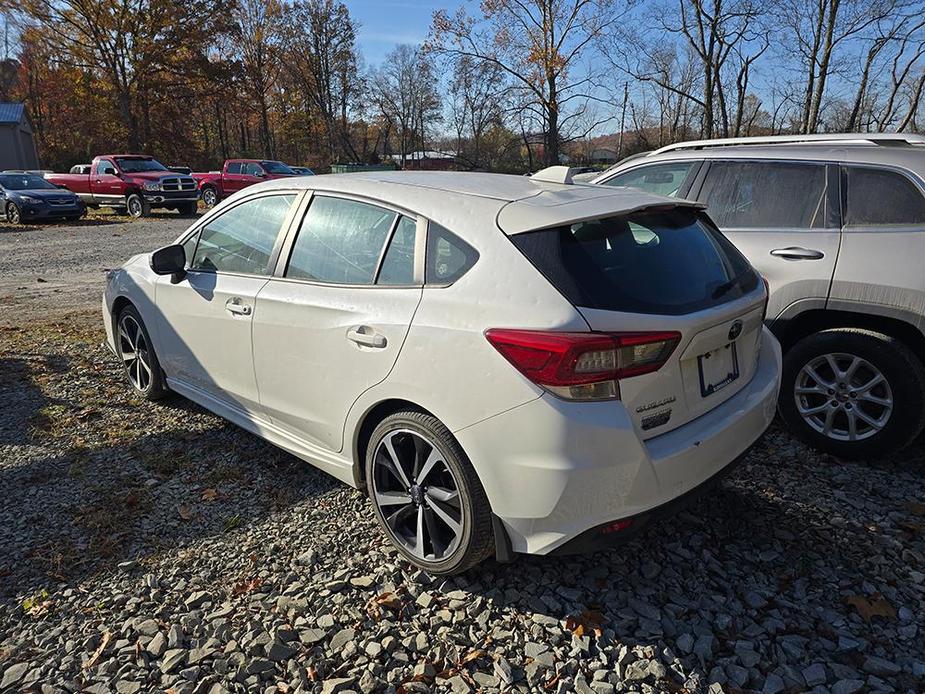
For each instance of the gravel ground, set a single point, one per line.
(154, 547)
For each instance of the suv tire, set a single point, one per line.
(436, 489)
(136, 206)
(819, 408)
(187, 209)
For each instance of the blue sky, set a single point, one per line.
(385, 23)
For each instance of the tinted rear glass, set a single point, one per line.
(668, 262)
(879, 198)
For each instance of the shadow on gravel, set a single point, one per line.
(90, 509)
(18, 385)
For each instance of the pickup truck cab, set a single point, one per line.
(134, 183)
(237, 174)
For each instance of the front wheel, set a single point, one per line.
(426, 495)
(134, 347)
(187, 209)
(137, 206)
(853, 393)
(12, 213)
(209, 196)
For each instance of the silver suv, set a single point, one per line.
(836, 225)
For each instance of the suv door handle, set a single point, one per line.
(366, 336)
(797, 253)
(235, 306)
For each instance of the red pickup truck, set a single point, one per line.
(135, 183)
(237, 174)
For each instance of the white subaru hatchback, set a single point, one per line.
(504, 364)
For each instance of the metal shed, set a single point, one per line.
(17, 143)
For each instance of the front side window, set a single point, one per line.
(105, 167)
(661, 179)
(340, 241)
(241, 240)
(669, 263)
(876, 197)
(765, 195)
(252, 169)
(233, 168)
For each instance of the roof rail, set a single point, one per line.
(882, 139)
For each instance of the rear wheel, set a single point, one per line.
(12, 213)
(137, 354)
(853, 393)
(209, 196)
(426, 494)
(137, 206)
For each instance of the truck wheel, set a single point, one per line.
(12, 213)
(137, 206)
(187, 209)
(209, 196)
(853, 393)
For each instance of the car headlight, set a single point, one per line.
(153, 185)
(29, 198)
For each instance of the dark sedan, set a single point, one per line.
(26, 197)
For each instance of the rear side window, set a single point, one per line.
(398, 263)
(233, 168)
(340, 241)
(765, 195)
(669, 262)
(241, 240)
(662, 179)
(448, 256)
(879, 198)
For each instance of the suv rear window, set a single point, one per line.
(667, 262)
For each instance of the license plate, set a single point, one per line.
(718, 368)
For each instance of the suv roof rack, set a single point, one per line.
(881, 139)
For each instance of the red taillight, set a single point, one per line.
(583, 366)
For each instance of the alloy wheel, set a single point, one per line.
(133, 348)
(208, 197)
(134, 206)
(843, 397)
(12, 214)
(417, 495)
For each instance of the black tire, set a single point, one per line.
(136, 206)
(73, 218)
(209, 196)
(187, 209)
(475, 541)
(155, 387)
(904, 385)
(12, 213)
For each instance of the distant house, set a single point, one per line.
(428, 160)
(17, 143)
(603, 155)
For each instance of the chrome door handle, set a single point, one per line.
(235, 306)
(797, 253)
(365, 336)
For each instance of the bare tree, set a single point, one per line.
(542, 45)
(476, 97)
(405, 91)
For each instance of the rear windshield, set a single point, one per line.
(666, 262)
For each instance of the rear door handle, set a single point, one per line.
(366, 336)
(236, 306)
(797, 253)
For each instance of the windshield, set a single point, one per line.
(276, 167)
(138, 165)
(25, 182)
(665, 262)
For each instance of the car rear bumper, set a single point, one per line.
(556, 471)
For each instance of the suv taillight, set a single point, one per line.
(583, 366)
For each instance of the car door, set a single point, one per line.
(884, 221)
(106, 186)
(784, 217)
(252, 173)
(330, 323)
(205, 318)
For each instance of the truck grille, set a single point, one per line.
(177, 184)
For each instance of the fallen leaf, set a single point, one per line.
(878, 607)
(247, 586)
(470, 656)
(99, 651)
(185, 511)
(388, 600)
(312, 673)
(588, 621)
(209, 494)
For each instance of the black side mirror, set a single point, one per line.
(169, 260)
